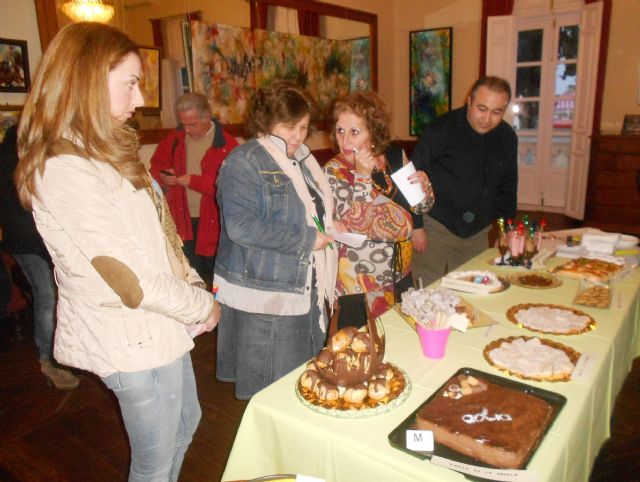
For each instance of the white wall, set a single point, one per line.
(18, 22)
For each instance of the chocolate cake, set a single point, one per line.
(496, 425)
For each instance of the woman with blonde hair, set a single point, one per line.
(127, 299)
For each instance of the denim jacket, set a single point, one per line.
(265, 242)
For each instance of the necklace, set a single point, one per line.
(378, 175)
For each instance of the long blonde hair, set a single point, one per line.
(69, 101)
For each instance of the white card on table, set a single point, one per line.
(420, 440)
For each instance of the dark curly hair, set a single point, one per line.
(368, 106)
(282, 101)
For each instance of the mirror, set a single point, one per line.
(140, 20)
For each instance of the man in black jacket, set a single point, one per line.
(470, 155)
(23, 242)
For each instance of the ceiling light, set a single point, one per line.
(88, 11)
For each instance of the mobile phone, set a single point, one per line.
(166, 173)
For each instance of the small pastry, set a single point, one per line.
(311, 365)
(361, 343)
(342, 339)
(309, 379)
(355, 394)
(385, 371)
(324, 358)
(378, 389)
(326, 391)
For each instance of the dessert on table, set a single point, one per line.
(481, 282)
(552, 319)
(350, 375)
(494, 424)
(594, 269)
(532, 358)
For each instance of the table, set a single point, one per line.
(280, 435)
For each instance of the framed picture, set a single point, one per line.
(9, 115)
(429, 76)
(360, 64)
(14, 66)
(631, 125)
(150, 83)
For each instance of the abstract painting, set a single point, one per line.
(223, 68)
(360, 64)
(429, 76)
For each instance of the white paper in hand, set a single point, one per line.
(412, 192)
(355, 240)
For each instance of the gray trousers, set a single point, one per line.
(445, 251)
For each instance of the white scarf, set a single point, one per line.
(326, 260)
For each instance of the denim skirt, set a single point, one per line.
(254, 350)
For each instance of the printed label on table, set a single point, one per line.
(489, 331)
(585, 366)
(420, 440)
(486, 473)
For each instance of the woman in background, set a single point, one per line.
(125, 294)
(367, 201)
(275, 266)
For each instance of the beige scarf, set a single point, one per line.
(326, 260)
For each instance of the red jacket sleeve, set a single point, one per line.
(163, 156)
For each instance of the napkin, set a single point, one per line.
(413, 193)
(600, 243)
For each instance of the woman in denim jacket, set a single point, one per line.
(275, 266)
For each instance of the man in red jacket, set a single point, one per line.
(186, 164)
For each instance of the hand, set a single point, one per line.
(168, 179)
(419, 240)
(420, 177)
(214, 317)
(365, 161)
(183, 180)
(322, 241)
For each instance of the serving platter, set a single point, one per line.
(400, 391)
(538, 280)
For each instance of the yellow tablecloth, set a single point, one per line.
(280, 435)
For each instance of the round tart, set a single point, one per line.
(535, 280)
(552, 319)
(399, 388)
(532, 358)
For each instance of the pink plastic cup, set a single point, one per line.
(433, 342)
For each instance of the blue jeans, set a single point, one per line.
(161, 412)
(255, 350)
(39, 274)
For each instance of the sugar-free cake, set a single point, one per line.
(532, 358)
(494, 424)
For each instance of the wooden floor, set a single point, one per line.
(47, 435)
